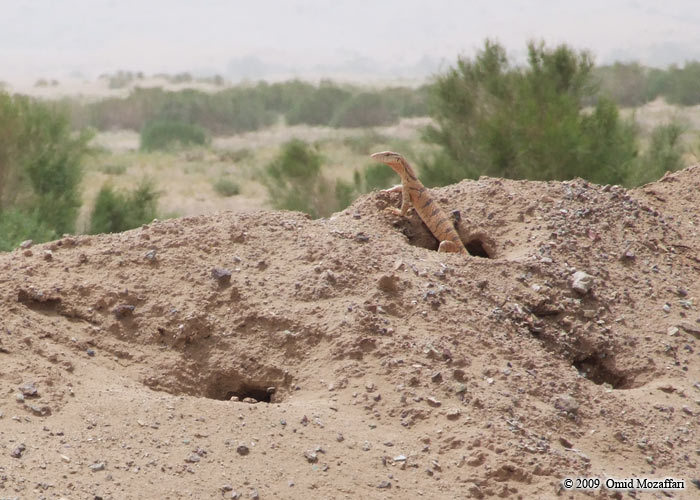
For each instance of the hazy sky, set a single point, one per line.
(53, 38)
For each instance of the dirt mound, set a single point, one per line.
(231, 354)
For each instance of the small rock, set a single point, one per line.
(90, 352)
(672, 330)
(226, 487)
(339, 438)
(566, 403)
(223, 276)
(254, 494)
(235, 495)
(361, 237)
(97, 466)
(666, 308)
(400, 458)
(48, 255)
(311, 456)
(453, 414)
(151, 255)
(242, 449)
(565, 442)
(690, 328)
(41, 411)
(26, 244)
(384, 485)
(433, 402)
(628, 255)
(29, 390)
(475, 491)
(194, 458)
(581, 282)
(123, 310)
(17, 452)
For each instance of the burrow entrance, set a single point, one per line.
(478, 244)
(259, 394)
(599, 370)
(268, 385)
(226, 387)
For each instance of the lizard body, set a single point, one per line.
(413, 192)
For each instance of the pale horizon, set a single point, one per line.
(315, 38)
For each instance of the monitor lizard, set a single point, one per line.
(413, 192)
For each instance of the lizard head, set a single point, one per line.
(394, 160)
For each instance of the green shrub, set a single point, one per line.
(294, 182)
(627, 84)
(664, 154)
(364, 110)
(115, 211)
(40, 163)
(319, 106)
(496, 119)
(364, 143)
(17, 226)
(681, 85)
(375, 176)
(112, 169)
(405, 101)
(226, 187)
(235, 156)
(161, 135)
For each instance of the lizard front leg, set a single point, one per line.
(405, 200)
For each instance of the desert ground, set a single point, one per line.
(262, 354)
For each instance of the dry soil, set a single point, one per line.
(269, 355)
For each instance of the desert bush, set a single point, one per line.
(681, 84)
(249, 107)
(17, 226)
(318, 107)
(226, 187)
(236, 155)
(496, 119)
(294, 182)
(40, 167)
(115, 211)
(112, 169)
(627, 84)
(364, 143)
(164, 134)
(364, 110)
(406, 101)
(375, 176)
(121, 79)
(664, 154)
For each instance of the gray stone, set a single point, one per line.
(581, 282)
(28, 389)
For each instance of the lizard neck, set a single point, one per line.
(409, 174)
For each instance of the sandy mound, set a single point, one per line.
(360, 361)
